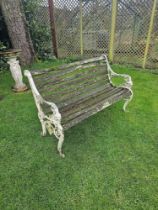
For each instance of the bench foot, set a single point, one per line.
(57, 130)
(60, 144)
(127, 101)
(44, 130)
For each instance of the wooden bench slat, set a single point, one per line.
(73, 91)
(57, 73)
(70, 98)
(79, 100)
(93, 110)
(83, 62)
(84, 106)
(67, 83)
(79, 96)
(80, 73)
(89, 100)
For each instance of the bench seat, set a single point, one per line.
(74, 113)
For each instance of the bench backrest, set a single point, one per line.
(72, 81)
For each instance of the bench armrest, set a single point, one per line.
(48, 121)
(128, 80)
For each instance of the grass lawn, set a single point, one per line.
(111, 158)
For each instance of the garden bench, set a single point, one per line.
(68, 94)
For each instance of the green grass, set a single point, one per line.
(111, 158)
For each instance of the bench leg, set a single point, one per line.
(52, 125)
(59, 133)
(44, 130)
(59, 146)
(127, 100)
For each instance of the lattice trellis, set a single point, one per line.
(152, 57)
(96, 27)
(125, 29)
(131, 31)
(82, 26)
(92, 36)
(67, 26)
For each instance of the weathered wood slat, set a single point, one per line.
(60, 72)
(78, 95)
(36, 72)
(83, 62)
(72, 95)
(74, 107)
(72, 90)
(89, 101)
(84, 107)
(53, 78)
(93, 110)
(67, 67)
(86, 97)
(56, 72)
(73, 79)
(61, 92)
(62, 97)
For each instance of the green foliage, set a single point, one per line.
(39, 29)
(3, 64)
(111, 158)
(2, 46)
(4, 42)
(4, 38)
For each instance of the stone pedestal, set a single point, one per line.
(15, 70)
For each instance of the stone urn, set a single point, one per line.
(15, 69)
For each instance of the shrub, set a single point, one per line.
(40, 31)
(3, 61)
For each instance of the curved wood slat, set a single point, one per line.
(53, 78)
(88, 101)
(94, 109)
(73, 91)
(83, 99)
(66, 82)
(80, 94)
